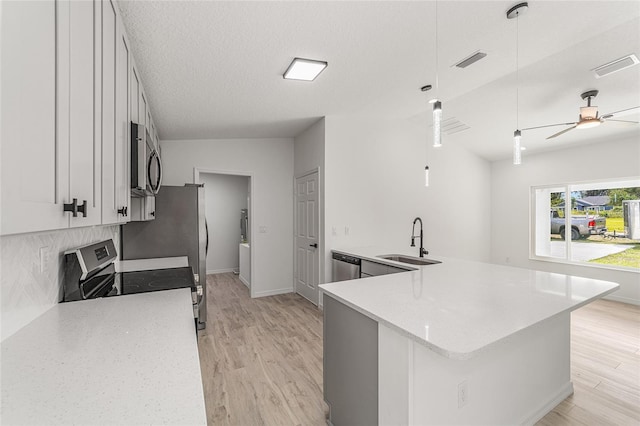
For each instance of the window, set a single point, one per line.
(594, 224)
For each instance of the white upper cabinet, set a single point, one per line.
(69, 93)
(48, 143)
(115, 118)
(79, 115)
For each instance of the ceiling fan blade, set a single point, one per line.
(550, 125)
(622, 122)
(622, 112)
(562, 132)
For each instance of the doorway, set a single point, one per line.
(228, 213)
(307, 239)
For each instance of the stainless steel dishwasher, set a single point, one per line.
(345, 267)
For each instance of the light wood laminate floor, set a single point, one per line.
(262, 361)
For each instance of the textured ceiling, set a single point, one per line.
(213, 69)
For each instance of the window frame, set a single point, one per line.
(568, 188)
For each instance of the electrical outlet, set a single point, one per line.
(262, 229)
(463, 393)
(45, 254)
(334, 231)
(346, 230)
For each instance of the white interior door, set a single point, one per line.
(307, 231)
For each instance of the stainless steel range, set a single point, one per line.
(90, 272)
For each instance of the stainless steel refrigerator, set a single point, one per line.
(179, 229)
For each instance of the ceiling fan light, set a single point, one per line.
(588, 112)
(588, 123)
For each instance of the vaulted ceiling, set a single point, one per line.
(213, 69)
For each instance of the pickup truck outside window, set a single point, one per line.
(592, 224)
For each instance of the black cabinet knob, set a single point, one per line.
(83, 208)
(74, 208)
(123, 211)
(152, 213)
(315, 245)
(71, 207)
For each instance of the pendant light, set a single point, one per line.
(514, 13)
(437, 105)
(426, 168)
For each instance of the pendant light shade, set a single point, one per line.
(437, 121)
(426, 176)
(517, 149)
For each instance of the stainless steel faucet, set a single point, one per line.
(421, 251)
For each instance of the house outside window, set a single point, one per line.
(593, 224)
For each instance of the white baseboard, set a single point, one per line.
(272, 292)
(560, 396)
(245, 282)
(221, 271)
(622, 299)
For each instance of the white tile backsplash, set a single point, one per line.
(25, 292)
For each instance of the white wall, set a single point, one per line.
(308, 156)
(270, 163)
(224, 196)
(27, 292)
(510, 206)
(374, 185)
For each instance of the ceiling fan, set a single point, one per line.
(589, 118)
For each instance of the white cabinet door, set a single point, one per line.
(84, 147)
(123, 119)
(134, 93)
(142, 113)
(115, 118)
(79, 155)
(32, 179)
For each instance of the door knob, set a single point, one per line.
(314, 245)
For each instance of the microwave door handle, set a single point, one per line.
(154, 157)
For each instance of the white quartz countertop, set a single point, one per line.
(458, 308)
(117, 360)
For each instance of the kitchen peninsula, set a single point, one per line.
(458, 342)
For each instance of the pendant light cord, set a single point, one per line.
(517, 70)
(437, 64)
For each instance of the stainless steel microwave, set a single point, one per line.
(146, 166)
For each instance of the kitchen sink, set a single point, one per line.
(409, 259)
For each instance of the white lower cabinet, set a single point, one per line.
(50, 155)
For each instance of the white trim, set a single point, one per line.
(622, 299)
(542, 411)
(221, 271)
(245, 282)
(252, 212)
(272, 292)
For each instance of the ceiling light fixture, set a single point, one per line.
(304, 69)
(437, 105)
(514, 13)
(426, 168)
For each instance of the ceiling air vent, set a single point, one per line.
(452, 125)
(617, 65)
(474, 57)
